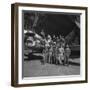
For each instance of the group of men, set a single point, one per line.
(56, 50)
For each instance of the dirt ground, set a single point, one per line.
(34, 68)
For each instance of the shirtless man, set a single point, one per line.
(50, 54)
(67, 55)
(60, 54)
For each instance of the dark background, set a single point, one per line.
(51, 23)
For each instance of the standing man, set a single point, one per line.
(54, 53)
(50, 54)
(67, 55)
(61, 54)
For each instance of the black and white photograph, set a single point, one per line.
(49, 44)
